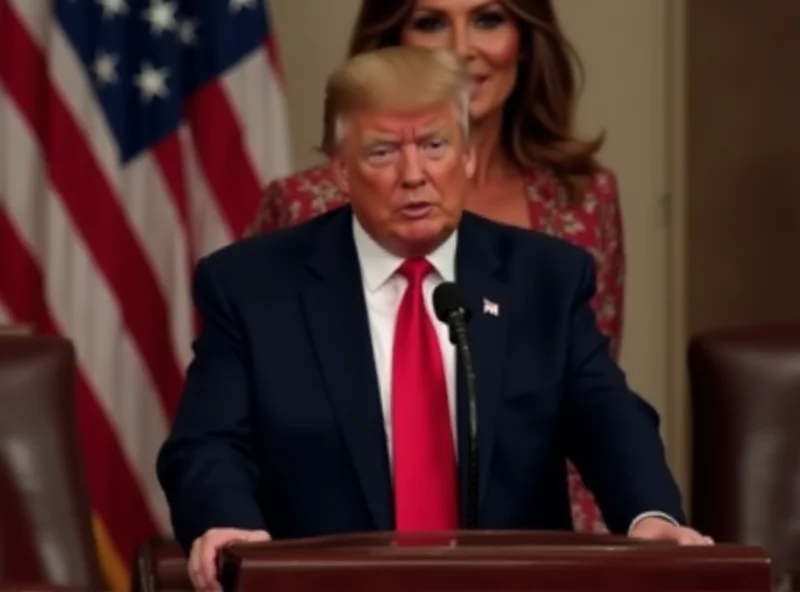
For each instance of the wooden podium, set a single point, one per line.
(491, 561)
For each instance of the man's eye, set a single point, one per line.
(381, 154)
(381, 150)
(434, 145)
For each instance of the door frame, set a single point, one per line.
(678, 411)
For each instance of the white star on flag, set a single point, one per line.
(187, 31)
(105, 67)
(237, 5)
(152, 82)
(161, 16)
(112, 8)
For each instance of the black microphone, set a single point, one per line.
(451, 308)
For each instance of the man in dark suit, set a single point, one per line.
(324, 396)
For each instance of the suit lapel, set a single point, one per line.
(483, 281)
(337, 320)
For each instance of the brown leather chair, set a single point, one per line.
(45, 520)
(745, 398)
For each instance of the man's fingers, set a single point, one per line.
(208, 564)
(659, 530)
(687, 536)
(193, 566)
(202, 564)
(258, 536)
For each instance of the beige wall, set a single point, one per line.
(299, 24)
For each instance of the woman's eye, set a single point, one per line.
(428, 23)
(490, 20)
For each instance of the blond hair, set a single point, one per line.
(404, 79)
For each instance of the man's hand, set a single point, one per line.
(202, 565)
(658, 529)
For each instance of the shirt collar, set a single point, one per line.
(378, 264)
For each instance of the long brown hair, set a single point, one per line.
(538, 116)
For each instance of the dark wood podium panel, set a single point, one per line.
(485, 561)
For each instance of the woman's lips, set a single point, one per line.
(477, 83)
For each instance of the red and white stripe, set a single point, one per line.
(103, 254)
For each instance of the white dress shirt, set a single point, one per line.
(383, 291)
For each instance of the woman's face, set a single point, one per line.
(480, 31)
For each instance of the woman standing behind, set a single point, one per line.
(532, 172)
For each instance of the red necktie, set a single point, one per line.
(425, 477)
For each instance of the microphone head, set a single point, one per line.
(447, 299)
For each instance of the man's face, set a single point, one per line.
(406, 176)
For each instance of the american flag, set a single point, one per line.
(135, 136)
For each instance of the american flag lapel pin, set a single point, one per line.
(490, 307)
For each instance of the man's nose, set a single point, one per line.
(413, 173)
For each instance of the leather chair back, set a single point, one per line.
(45, 520)
(745, 397)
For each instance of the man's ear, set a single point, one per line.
(339, 172)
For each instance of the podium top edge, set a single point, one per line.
(489, 546)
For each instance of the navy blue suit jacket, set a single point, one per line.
(280, 424)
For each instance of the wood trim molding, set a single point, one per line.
(678, 410)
